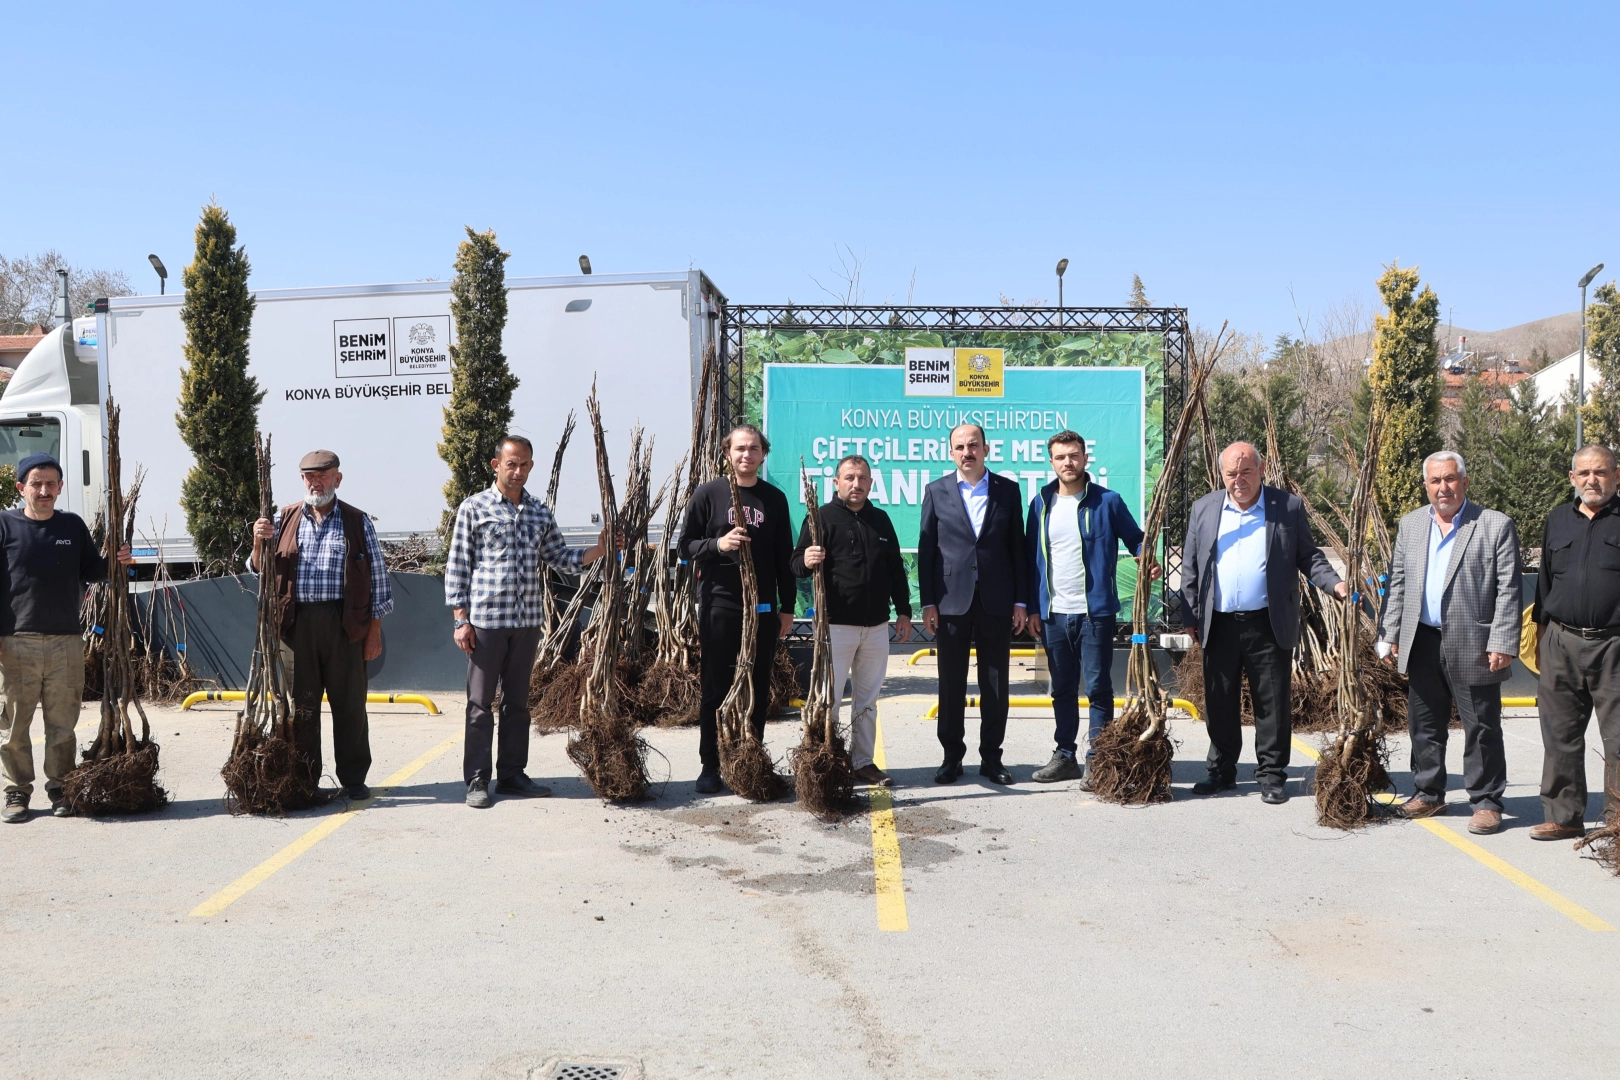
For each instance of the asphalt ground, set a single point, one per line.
(1022, 932)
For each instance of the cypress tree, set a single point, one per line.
(219, 400)
(1601, 417)
(1531, 464)
(480, 409)
(1479, 426)
(1405, 383)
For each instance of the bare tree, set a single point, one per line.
(28, 289)
(846, 275)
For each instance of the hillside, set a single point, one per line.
(1557, 335)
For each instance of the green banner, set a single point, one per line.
(822, 412)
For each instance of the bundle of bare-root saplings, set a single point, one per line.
(1355, 766)
(118, 772)
(605, 744)
(745, 765)
(671, 688)
(266, 773)
(821, 767)
(1130, 760)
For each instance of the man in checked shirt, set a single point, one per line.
(334, 592)
(503, 540)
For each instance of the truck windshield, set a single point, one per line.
(19, 438)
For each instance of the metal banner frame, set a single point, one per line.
(1171, 323)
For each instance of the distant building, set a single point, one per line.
(13, 347)
(1554, 380)
(1452, 386)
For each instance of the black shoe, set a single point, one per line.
(1213, 784)
(60, 807)
(949, 773)
(1061, 767)
(478, 794)
(708, 782)
(16, 808)
(357, 792)
(996, 773)
(522, 786)
(1274, 794)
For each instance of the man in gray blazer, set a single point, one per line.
(1245, 551)
(1451, 620)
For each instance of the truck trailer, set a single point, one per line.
(365, 371)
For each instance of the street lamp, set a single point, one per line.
(163, 274)
(1580, 385)
(1063, 264)
(585, 264)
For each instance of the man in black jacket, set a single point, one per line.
(864, 574)
(46, 557)
(973, 574)
(713, 540)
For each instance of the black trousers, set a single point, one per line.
(1429, 695)
(992, 636)
(719, 641)
(1238, 645)
(1578, 676)
(503, 659)
(326, 662)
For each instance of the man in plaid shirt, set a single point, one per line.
(503, 540)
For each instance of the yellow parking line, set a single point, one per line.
(251, 880)
(891, 891)
(1559, 903)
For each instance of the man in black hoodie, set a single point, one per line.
(713, 540)
(864, 574)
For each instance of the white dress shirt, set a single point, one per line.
(1240, 557)
(975, 498)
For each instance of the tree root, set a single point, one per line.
(612, 757)
(1124, 768)
(823, 778)
(120, 783)
(268, 776)
(1347, 780)
(748, 770)
(669, 695)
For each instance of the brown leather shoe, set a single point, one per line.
(1485, 821)
(1417, 806)
(871, 774)
(1551, 830)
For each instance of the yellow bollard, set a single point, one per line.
(371, 699)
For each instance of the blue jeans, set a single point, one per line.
(1080, 645)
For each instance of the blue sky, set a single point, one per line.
(1228, 156)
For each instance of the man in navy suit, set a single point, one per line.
(973, 572)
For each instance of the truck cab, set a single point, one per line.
(53, 405)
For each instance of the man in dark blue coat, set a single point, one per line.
(1074, 531)
(973, 577)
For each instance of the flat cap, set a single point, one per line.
(318, 459)
(35, 461)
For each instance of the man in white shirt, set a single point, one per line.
(1246, 548)
(1074, 531)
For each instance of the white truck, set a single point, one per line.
(365, 371)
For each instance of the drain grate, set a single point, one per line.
(579, 1070)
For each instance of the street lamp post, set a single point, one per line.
(1063, 264)
(163, 274)
(1580, 383)
(585, 264)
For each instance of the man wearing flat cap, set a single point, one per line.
(46, 558)
(334, 591)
